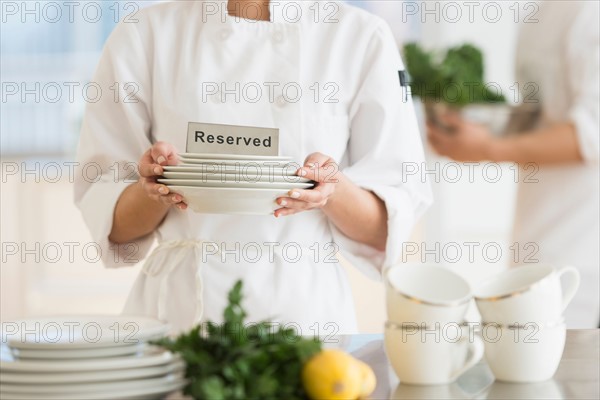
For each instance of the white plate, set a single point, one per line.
(141, 392)
(248, 168)
(234, 177)
(241, 185)
(242, 163)
(235, 201)
(234, 157)
(79, 332)
(248, 173)
(96, 387)
(94, 376)
(151, 357)
(65, 354)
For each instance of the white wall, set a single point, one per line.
(41, 277)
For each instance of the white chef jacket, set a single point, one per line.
(559, 212)
(361, 118)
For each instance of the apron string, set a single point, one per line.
(152, 268)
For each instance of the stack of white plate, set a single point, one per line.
(233, 184)
(78, 358)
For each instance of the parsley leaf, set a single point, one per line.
(238, 361)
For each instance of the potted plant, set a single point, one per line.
(453, 81)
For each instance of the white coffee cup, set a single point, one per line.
(527, 353)
(531, 293)
(431, 357)
(425, 294)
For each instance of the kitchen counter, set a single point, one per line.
(577, 376)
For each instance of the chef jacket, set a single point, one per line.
(183, 62)
(557, 206)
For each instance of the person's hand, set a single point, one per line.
(319, 168)
(459, 139)
(151, 167)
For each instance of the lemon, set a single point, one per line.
(368, 380)
(332, 374)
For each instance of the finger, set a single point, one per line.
(153, 188)
(309, 196)
(171, 199)
(451, 121)
(146, 159)
(315, 159)
(148, 167)
(326, 174)
(434, 129)
(440, 136)
(296, 204)
(148, 170)
(162, 152)
(454, 118)
(300, 205)
(318, 194)
(284, 212)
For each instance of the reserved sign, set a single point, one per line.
(232, 139)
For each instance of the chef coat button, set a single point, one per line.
(281, 101)
(225, 34)
(278, 37)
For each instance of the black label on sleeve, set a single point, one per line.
(404, 84)
(403, 78)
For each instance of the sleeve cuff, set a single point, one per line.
(587, 134)
(97, 207)
(403, 212)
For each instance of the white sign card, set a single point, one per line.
(232, 139)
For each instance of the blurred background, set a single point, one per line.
(50, 264)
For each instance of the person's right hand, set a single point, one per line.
(461, 140)
(151, 167)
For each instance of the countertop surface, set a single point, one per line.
(577, 376)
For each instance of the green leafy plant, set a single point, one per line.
(238, 361)
(456, 79)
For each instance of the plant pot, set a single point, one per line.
(500, 119)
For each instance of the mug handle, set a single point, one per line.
(476, 350)
(573, 280)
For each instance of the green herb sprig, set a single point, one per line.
(237, 361)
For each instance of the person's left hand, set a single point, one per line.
(321, 169)
(460, 140)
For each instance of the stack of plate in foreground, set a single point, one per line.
(79, 358)
(233, 184)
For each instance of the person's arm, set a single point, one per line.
(136, 215)
(356, 212)
(373, 206)
(143, 205)
(556, 144)
(467, 141)
(573, 140)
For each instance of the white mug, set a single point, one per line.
(431, 357)
(531, 293)
(527, 353)
(425, 294)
